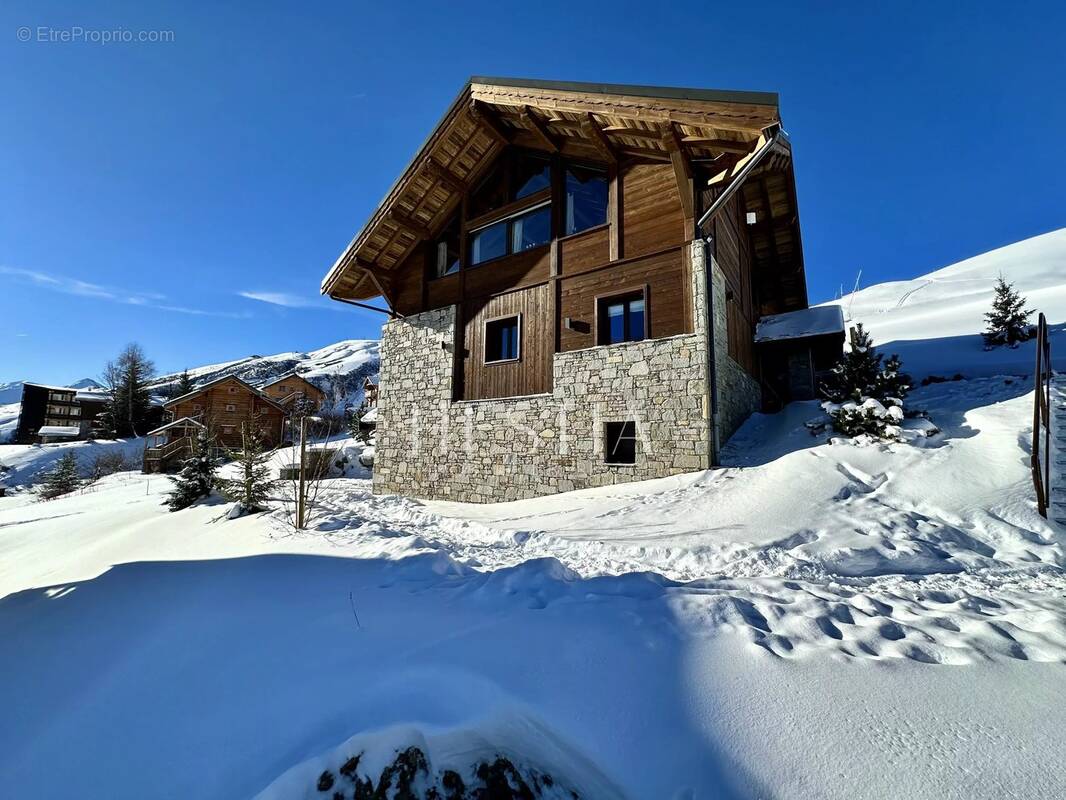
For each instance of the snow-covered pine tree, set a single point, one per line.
(1008, 321)
(62, 479)
(253, 485)
(196, 478)
(864, 395)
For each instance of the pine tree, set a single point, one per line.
(864, 395)
(184, 384)
(1008, 321)
(126, 384)
(196, 478)
(62, 479)
(252, 489)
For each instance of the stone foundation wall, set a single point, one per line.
(508, 449)
(739, 395)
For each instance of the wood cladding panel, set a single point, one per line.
(532, 373)
(510, 272)
(652, 218)
(733, 254)
(663, 274)
(210, 408)
(584, 251)
(442, 292)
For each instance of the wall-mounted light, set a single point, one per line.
(751, 217)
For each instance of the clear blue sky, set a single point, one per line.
(143, 187)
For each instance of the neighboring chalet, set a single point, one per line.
(220, 407)
(574, 274)
(58, 414)
(289, 388)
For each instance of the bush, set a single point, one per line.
(108, 463)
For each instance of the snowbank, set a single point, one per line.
(24, 464)
(934, 322)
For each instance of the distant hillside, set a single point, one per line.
(10, 392)
(934, 322)
(338, 369)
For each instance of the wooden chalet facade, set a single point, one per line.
(219, 408)
(574, 274)
(289, 388)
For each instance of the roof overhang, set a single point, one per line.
(604, 122)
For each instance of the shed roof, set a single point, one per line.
(591, 120)
(58, 430)
(816, 321)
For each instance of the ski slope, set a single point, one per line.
(934, 322)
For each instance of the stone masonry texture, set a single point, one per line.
(506, 449)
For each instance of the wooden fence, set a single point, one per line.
(1040, 460)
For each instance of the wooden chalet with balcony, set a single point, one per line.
(292, 387)
(217, 409)
(574, 273)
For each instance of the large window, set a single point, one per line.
(529, 228)
(620, 442)
(586, 198)
(503, 339)
(445, 255)
(514, 177)
(622, 318)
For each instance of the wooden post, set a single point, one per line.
(301, 495)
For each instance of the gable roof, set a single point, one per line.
(594, 120)
(289, 376)
(201, 389)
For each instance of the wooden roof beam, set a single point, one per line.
(415, 227)
(682, 171)
(594, 132)
(380, 284)
(487, 119)
(539, 129)
(725, 145)
(434, 169)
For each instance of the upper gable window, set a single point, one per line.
(522, 231)
(444, 258)
(515, 176)
(586, 198)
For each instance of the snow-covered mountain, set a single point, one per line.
(934, 321)
(11, 392)
(338, 369)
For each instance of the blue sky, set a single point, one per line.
(147, 189)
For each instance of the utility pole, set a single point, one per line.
(300, 500)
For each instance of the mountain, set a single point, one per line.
(934, 321)
(338, 369)
(11, 392)
(86, 383)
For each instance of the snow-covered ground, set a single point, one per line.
(934, 322)
(23, 464)
(9, 420)
(816, 618)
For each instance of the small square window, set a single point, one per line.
(196, 407)
(620, 442)
(233, 390)
(622, 318)
(502, 339)
(227, 430)
(231, 407)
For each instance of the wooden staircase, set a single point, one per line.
(160, 459)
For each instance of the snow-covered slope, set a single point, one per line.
(10, 393)
(9, 419)
(338, 369)
(934, 322)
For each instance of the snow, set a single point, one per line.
(934, 322)
(58, 430)
(815, 321)
(24, 464)
(819, 617)
(9, 420)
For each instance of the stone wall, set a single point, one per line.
(507, 449)
(738, 394)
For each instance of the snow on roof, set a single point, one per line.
(58, 430)
(96, 396)
(184, 422)
(816, 321)
(370, 416)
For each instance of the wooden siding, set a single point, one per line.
(584, 251)
(652, 217)
(531, 374)
(663, 274)
(248, 407)
(733, 254)
(511, 272)
(286, 387)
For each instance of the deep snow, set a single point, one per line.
(816, 618)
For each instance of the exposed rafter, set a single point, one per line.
(682, 170)
(487, 119)
(592, 130)
(540, 131)
(435, 170)
(415, 227)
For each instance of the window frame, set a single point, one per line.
(591, 166)
(517, 316)
(607, 457)
(601, 301)
(231, 408)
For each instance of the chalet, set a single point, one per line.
(57, 414)
(574, 274)
(292, 387)
(219, 408)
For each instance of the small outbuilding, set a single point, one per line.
(796, 350)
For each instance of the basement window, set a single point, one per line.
(503, 340)
(622, 318)
(620, 442)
